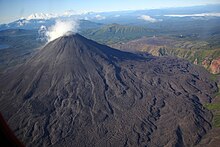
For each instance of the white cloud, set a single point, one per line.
(99, 17)
(148, 18)
(195, 15)
(60, 28)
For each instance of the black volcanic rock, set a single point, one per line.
(76, 92)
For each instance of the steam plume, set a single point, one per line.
(60, 28)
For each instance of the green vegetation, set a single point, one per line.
(187, 41)
(217, 95)
(216, 120)
(201, 55)
(190, 45)
(191, 54)
(214, 106)
(113, 33)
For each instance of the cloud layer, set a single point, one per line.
(195, 15)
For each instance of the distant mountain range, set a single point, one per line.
(194, 32)
(34, 21)
(34, 24)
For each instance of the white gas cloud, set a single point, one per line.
(60, 28)
(42, 33)
(148, 18)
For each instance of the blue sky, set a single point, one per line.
(14, 9)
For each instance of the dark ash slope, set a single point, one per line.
(76, 92)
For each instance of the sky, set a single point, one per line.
(14, 9)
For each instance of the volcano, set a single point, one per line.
(76, 92)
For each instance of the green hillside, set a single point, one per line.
(114, 33)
